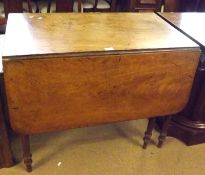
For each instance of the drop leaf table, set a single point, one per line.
(72, 70)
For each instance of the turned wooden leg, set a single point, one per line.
(163, 133)
(27, 157)
(148, 132)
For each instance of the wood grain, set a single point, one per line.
(189, 125)
(66, 92)
(91, 32)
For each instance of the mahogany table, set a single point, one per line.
(72, 70)
(189, 125)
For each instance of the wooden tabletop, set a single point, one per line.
(38, 34)
(190, 23)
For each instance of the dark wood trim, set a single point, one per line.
(13, 6)
(27, 156)
(190, 136)
(148, 133)
(191, 121)
(164, 130)
(6, 159)
(64, 5)
(181, 5)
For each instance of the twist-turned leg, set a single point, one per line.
(148, 133)
(27, 157)
(163, 133)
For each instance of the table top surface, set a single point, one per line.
(190, 23)
(65, 33)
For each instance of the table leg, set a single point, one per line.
(27, 156)
(163, 132)
(148, 133)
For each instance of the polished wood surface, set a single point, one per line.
(74, 33)
(79, 80)
(189, 125)
(195, 110)
(74, 70)
(67, 92)
(190, 23)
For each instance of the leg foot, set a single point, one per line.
(148, 133)
(163, 134)
(27, 156)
